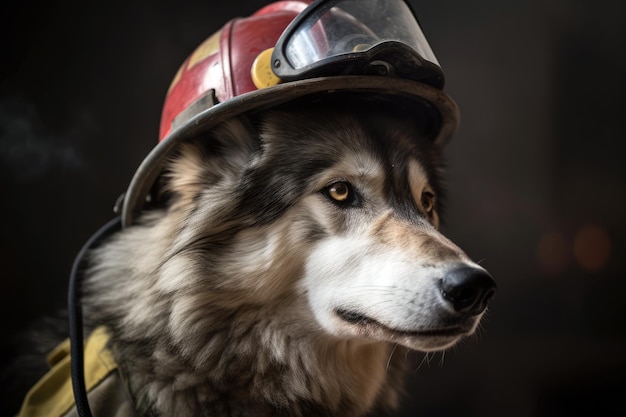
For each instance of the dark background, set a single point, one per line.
(536, 177)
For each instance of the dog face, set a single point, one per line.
(385, 272)
(282, 244)
(338, 206)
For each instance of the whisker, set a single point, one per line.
(443, 357)
(425, 359)
(395, 346)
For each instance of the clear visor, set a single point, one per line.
(347, 27)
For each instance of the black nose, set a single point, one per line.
(468, 289)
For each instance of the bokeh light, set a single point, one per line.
(553, 253)
(592, 247)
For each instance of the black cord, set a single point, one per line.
(76, 317)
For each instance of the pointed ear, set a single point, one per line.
(200, 163)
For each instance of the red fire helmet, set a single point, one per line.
(289, 50)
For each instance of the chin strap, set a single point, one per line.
(76, 316)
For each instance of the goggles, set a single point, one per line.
(356, 37)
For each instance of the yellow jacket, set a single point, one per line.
(52, 396)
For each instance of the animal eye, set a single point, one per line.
(428, 201)
(340, 192)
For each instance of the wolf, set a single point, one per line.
(291, 258)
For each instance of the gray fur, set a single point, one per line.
(211, 299)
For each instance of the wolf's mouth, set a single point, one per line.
(353, 317)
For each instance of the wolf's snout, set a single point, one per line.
(468, 289)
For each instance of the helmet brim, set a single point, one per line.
(151, 167)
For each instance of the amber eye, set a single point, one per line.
(428, 201)
(342, 193)
(339, 191)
